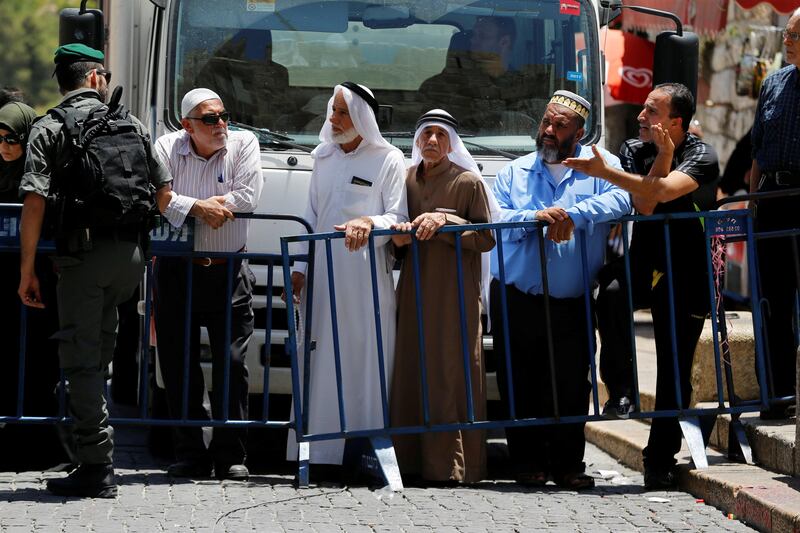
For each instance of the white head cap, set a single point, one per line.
(362, 115)
(194, 97)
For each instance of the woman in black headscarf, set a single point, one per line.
(25, 447)
(16, 119)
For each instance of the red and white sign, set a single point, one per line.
(629, 66)
(781, 6)
(569, 7)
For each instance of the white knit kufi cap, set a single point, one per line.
(572, 101)
(195, 97)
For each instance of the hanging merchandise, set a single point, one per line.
(752, 69)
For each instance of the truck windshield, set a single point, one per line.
(493, 64)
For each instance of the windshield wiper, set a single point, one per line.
(496, 151)
(265, 136)
(489, 149)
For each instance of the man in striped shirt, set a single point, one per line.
(216, 173)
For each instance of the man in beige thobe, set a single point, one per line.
(444, 187)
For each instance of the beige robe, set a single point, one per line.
(442, 456)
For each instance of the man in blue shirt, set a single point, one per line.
(776, 167)
(539, 187)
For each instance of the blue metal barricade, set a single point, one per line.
(717, 225)
(166, 241)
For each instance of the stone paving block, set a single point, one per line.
(324, 527)
(156, 503)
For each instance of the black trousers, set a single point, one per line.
(29, 446)
(209, 306)
(691, 306)
(558, 448)
(779, 282)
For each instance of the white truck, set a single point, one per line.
(493, 64)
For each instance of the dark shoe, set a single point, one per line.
(659, 480)
(575, 481)
(531, 479)
(441, 483)
(87, 481)
(234, 472)
(189, 469)
(775, 412)
(618, 408)
(324, 473)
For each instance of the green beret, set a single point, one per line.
(74, 52)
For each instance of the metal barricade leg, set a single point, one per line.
(693, 433)
(304, 450)
(386, 462)
(738, 445)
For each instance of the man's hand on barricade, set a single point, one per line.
(298, 282)
(356, 232)
(594, 166)
(551, 215)
(212, 211)
(561, 225)
(402, 240)
(29, 291)
(561, 231)
(428, 224)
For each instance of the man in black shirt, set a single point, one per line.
(663, 167)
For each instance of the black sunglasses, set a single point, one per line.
(102, 72)
(211, 120)
(10, 139)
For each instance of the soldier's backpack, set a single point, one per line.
(105, 182)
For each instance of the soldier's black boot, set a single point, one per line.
(88, 481)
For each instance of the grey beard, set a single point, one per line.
(549, 154)
(345, 137)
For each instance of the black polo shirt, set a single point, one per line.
(698, 160)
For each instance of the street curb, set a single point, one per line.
(765, 500)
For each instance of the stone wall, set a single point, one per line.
(724, 115)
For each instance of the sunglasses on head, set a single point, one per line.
(10, 139)
(211, 120)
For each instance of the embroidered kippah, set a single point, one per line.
(572, 101)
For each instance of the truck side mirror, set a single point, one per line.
(676, 59)
(81, 26)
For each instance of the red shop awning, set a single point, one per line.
(629, 66)
(700, 16)
(781, 6)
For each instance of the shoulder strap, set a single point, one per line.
(67, 118)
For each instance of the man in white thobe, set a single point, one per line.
(358, 183)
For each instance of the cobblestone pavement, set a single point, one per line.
(149, 501)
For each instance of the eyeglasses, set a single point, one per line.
(11, 139)
(212, 120)
(105, 73)
(102, 72)
(791, 35)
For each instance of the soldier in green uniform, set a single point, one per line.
(98, 268)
